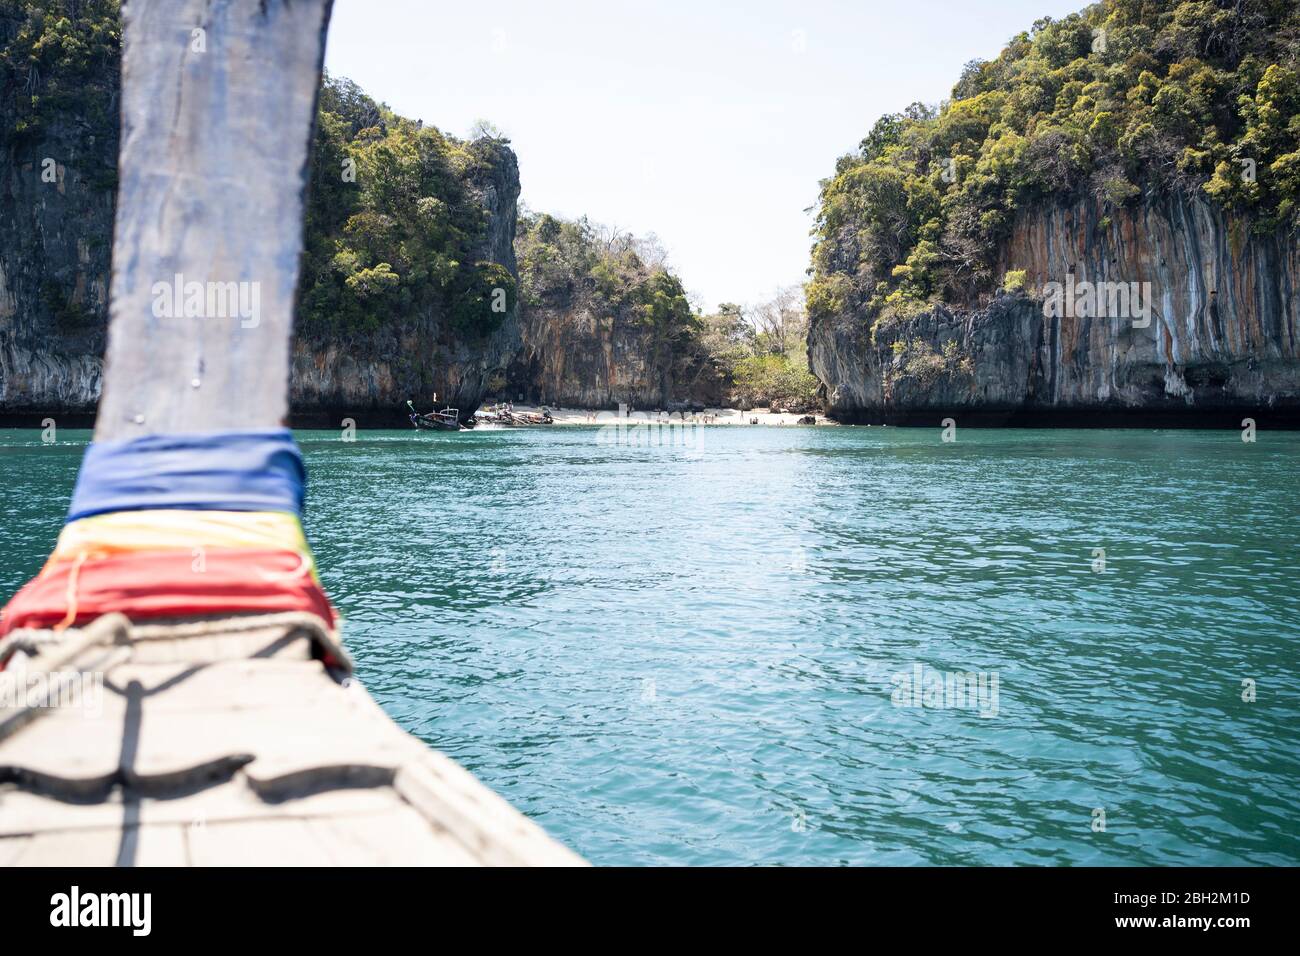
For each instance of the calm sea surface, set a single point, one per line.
(705, 654)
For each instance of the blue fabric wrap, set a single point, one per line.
(213, 471)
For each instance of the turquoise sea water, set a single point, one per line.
(697, 654)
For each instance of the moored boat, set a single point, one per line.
(505, 416)
(443, 419)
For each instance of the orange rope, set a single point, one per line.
(72, 595)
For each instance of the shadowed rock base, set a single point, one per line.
(1287, 418)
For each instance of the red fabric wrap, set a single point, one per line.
(166, 584)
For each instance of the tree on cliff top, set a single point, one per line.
(1125, 99)
(393, 225)
(567, 264)
(767, 360)
(59, 63)
(572, 266)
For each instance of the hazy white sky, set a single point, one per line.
(706, 122)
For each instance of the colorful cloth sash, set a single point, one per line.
(170, 585)
(225, 471)
(175, 526)
(193, 532)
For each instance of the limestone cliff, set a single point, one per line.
(604, 321)
(574, 357)
(1222, 343)
(58, 162)
(59, 128)
(416, 354)
(1144, 154)
(54, 256)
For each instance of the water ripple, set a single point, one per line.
(692, 654)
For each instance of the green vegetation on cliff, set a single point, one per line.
(59, 68)
(605, 298)
(392, 223)
(1125, 99)
(396, 232)
(564, 264)
(763, 352)
(572, 272)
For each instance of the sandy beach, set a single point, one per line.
(710, 416)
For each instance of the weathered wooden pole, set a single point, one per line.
(218, 105)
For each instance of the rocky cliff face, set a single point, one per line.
(57, 185)
(416, 356)
(54, 256)
(1220, 341)
(57, 175)
(604, 321)
(573, 357)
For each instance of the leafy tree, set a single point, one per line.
(59, 60)
(764, 353)
(392, 225)
(576, 267)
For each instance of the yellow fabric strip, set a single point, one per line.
(125, 532)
